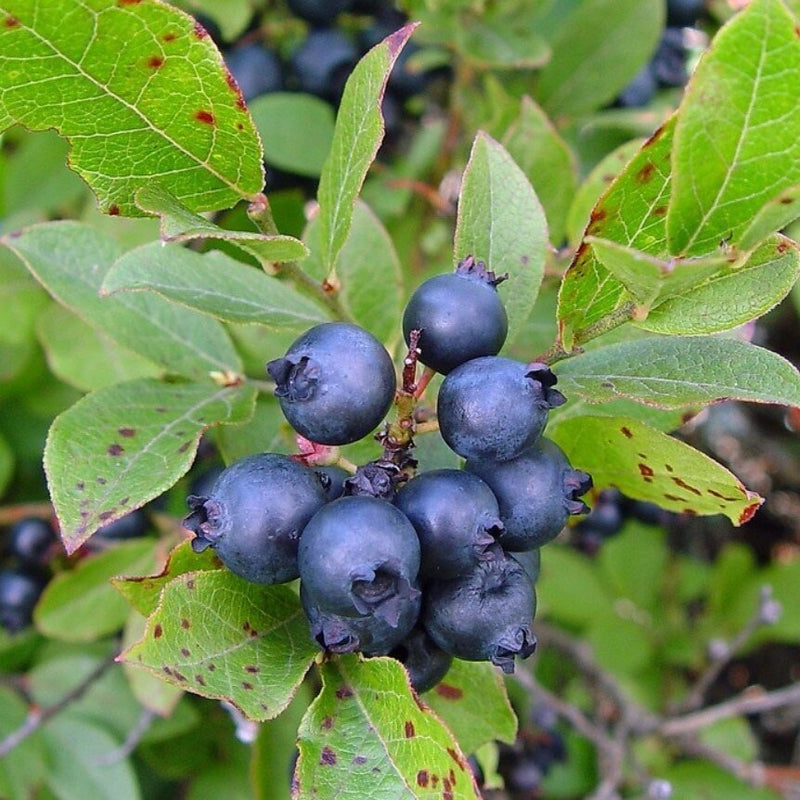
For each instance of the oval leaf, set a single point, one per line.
(366, 735)
(123, 445)
(213, 283)
(646, 464)
(357, 136)
(737, 142)
(219, 636)
(501, 221)
(676, 372)
(141, 93)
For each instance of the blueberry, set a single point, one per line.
(133, 525)
(318, 12)
(32, 541)
(425, 662)
(485, 615)
(536, 492)
(370, 634)
(493, 408)
(669, 62)
(456, 518)
(19, 592)
(332, 479)
(322, 63)
(255, 514)
(359, 556)
(604, 520)
(460, 316)
(256, 69)
(335, 384)
(641, 89)
(684, 13)
(531, 561)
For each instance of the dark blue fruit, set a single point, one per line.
(425, 662)
(456, 518)
(335, 383)
(332, 479)
(536, 492)
(370, 634)
(318, 12)
(485, 615)
(255, 514)
(669, 62)
(256, 69)
(19, 592)
(32, 541)
(493, 408)
(131, 526)
(460, 316)
(684, 13)
(359, 556)
(322, 63)
(531, 561)
(641, 89)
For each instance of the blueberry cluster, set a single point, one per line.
(424, 566)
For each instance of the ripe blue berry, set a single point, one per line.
(456, 518)
(370, 634)
(537, 492)
(493, 408)
(19, 592)
(31, 541)
(335, 383)
(332, 479)
(256, 69)
(460, 316)
(255, 514)
(485, 615)
(425, 662)
(359, 556)
(322, 63)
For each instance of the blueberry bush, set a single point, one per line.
(288, 291)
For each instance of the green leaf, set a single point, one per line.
(646, 464)
(675, 372)
(730, 296)
(141, 94)
(357, 136)
(213, 283)
(472, 701)
(632, 213)
(368, 272)
(366, 735)
(773, 216)
(85, 357)
(231, 16)
(597, 49)
(296, 129)
(733, 736)
(80, 605)
(219, 636)
(143, 593)
(25, 768)
(6, 463)
(179, 224)
(501, 221)
(71, 260)
(548, 163)
(595, 184)
(123, 445)
(76, 753)
(737, 141)
(702, 780)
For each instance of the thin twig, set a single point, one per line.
(37, 716)
(131, 741)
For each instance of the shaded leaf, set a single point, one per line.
(180, 224)
(219, 636)
(675, 372)
(737, 141)
(646, 464)
(149, 100)
(25, 768)
(597, 49)
(501, 221)
(80, 605)
(123, 445)
(471, 699)
(71, 260)
(366, 735)
(357, 136)
(548, 163)
(213, 283)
